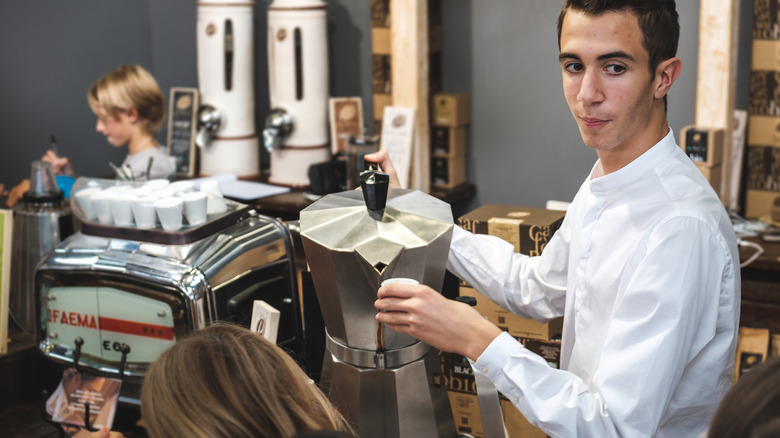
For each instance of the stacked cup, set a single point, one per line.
(144, 207)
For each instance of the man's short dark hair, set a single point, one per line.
(658, 20)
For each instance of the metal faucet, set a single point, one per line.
(209, 120)
(278, 125)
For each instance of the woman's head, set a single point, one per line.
(751, 408)
(128, 90)
(225, 381)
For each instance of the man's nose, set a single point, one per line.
(590, 89)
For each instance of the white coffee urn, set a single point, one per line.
(296, 130)
(225, 38)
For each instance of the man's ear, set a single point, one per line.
(666, 73)
(132, 114)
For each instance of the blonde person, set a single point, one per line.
(129, 107)
(226, 381)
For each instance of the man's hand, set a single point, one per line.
(60, 165)
(421, 312)
(383, 159)
(15, 194)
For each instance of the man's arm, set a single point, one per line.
(665, 354)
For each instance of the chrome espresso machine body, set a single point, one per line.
(381, 380)
(113, 298)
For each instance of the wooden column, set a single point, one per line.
(410, 69)
(717, 75)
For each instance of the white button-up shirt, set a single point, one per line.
(645, 271)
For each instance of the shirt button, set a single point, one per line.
(516, 399)
(484, 370)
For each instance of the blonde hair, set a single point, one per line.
(226, 381)
(124, 88)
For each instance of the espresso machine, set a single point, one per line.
(112, 298)
(296, 129)
(381, 380)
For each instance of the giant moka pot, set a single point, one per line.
(227, 137)
(296, 130)
(381, 380)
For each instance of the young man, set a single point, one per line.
(129, 107)
(644, 268)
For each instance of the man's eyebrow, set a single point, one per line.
(618, 54)
(565, 55)
(611, 55)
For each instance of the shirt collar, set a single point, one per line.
(634, 170)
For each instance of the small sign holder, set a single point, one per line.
(346, 120)
(182, 128)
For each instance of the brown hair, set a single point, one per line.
(751, 408)
(226, 381)
(125, 88)
(658, 20)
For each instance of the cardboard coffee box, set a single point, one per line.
(448, 172)
(451, 109)
(465, 410)
(448, 142)
(458, 377)
(753, 346)
(380, 40)
(527, 228)
(511, 323)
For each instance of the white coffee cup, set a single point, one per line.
(195, 205)
(101, 203)
(144, 212)
(181, 187)
(155, 184)
(121, 209)
(169, 210)
(211, 187)
(84, 201)
(400, 280)
(216, 202)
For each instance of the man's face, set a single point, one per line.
(607, 82)
(118, 130)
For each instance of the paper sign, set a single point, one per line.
(397, 131)
(68, 404)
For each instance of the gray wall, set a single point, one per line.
(524, 145)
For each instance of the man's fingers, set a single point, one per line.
(397, 290)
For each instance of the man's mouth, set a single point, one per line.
(590, 122)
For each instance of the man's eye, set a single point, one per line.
(573, 67)
(615, 69)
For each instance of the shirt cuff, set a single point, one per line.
(492, 360)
